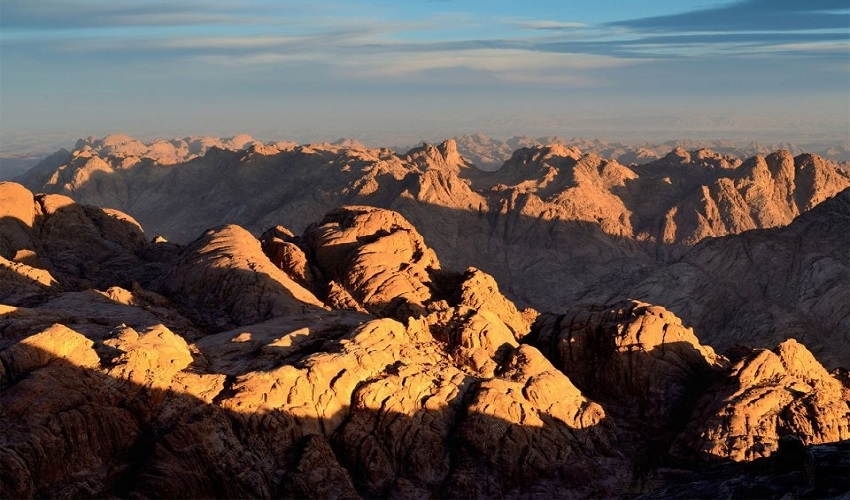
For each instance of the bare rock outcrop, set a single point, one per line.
(281, 247)
(768, 395)
(83, 244)
(73, 416)
(479, 291)
(551, 436)
(687, 197)
(17, 216)
(92, 312)
(20, 283)
(377, 256)
(309, 402)
(36, 351)
(52, 245)
(227, 280)
(442, 157)
(637, 356)
(348, 362)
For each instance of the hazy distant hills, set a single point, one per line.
(554, 225)
(489, 153)
(19, 154)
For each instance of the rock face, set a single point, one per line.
(377, 256)
(768, 394)
(762, 287)
(16, 219)
(298, 400)
(225, 278)
(632, 354)
(555, 226)
(349, 362)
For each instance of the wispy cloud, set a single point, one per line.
(741, 28)
(751, 15)
(838, 47)
(172, 59)
(84, 14)
(230, 42)
(253, 59)
(692, 45)
(550, 25)
(512, 65)
(224, 30)
(346, 47)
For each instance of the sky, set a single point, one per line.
(396, 72)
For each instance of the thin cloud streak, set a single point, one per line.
(686, 35)
(505, 65)
(82, 14)
(750, 15)
(550, 25)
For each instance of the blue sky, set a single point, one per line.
(396, 72)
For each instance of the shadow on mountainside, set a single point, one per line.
(639, 363)
(258, 192)
(540, 259)
(755, 289)
(545, 264)
(760, 287)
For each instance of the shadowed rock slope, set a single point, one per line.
(762, 287)
(349, 362)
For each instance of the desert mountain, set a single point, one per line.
(489, 153)
(760, 287)
(350, 361)
(556, 227)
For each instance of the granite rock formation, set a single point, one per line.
(768, 395)
(282, 393)
(349, 361)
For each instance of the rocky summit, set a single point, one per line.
(332, 321)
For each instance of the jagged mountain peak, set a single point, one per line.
(443, 156)
(163, 151)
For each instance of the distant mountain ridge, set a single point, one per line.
(486, 152)
(540, 164)
(489, 153)
(555, 226)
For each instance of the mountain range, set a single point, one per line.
(336, 321)
(20, 152)
(556, 227)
